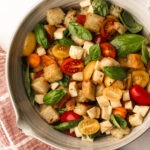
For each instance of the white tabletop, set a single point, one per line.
(11, 13)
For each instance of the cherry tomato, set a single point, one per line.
(98, 39)
(107, 29)
(69, 116)
(39, 74)
(121, 111)
(140, 95)
(69, 133)
(81, 19)
(70, 66)
(108, 50)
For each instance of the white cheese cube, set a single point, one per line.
(106, 112)
(58, 34)
(142, 110)
(39, 98)
(87, 138)
(94, 112)
(76, 52)
(85, 3)
(126, 95)
(77, 132)
(78, 76)
(54, 85)
(87, 46)
(97, 65)
(103, 101)
(77, 40)
(97, 77)
(105, 126)
(135, 119)
(73, 89)
(40, 51)
(90, 9)
(115, 104)
(128, 105)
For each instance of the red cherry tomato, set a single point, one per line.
(39, 74)
(140, 95)
(107, 29)
(81, 19)
(108, 50)
(71, 134)
(69, 116)
(70, 66)
(98, 39)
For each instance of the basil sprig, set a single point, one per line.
(118, 121)
(130, 23)
(94, 53)
(145, 54)
(64, 81)
(101, 7)
(114, 72)
(54, 96)
(127, 44)
(41, 36)
(65, 41)
(78, 30)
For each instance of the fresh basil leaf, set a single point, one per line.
(118, 121)
(87, 60)
(41, 36)
(101, 7)
(127, 44)
(54, 96)
(61, 110)
(145, 54)
(65, 41)
(114, 72)
(130, 23)
(94, 53)
(78, 30)
(66, 33)
(64, 81)
(97, 134)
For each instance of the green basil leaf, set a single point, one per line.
(145, 54)
(127, 44)
(87, 60)
(41, 36)
(114, 72)
(118, 121)
(130, 23)
(66, 33)
(78, 30)
(97, 134)
(101, 7)
(64, 81)
(65, 41)
(61, 110)
(54, 96)
(94, 53)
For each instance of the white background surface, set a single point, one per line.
(11, 14)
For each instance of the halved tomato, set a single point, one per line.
(70, 66)
(108, 50)
(98, 39)
(81, 19)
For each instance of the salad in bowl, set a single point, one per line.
(88, 70)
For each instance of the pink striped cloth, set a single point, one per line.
(10, 136)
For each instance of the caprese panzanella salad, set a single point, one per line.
(88, 70)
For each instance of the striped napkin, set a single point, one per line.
(11, 138)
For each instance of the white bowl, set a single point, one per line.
(27, 118)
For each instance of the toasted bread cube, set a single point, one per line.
(32, 75)
(106, 112)
(135, 120)
(54, 13)
(128, 105)
(99, 90)
(40, 51)
(115, 104)
(87, 46)
(81, 98)
(49, 114)
(40, 86)
(85, 3)
(77, 132)
(54, 85)
(103, 101)
(76, 52)
(119, 27)
(73, 90)
(119, 84)
(88, 90)
(93, 22)
(126, 96)
(78, 76)
(142, 110)
(77, 40)
(108, 81)
(81, 109)
(52, 73)
(97, 77)
(97, 65)
(148, 87)
(94, 112)
(90, 9)
(39, 98)
(59, 33)
(119, 133)
(105, 126)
